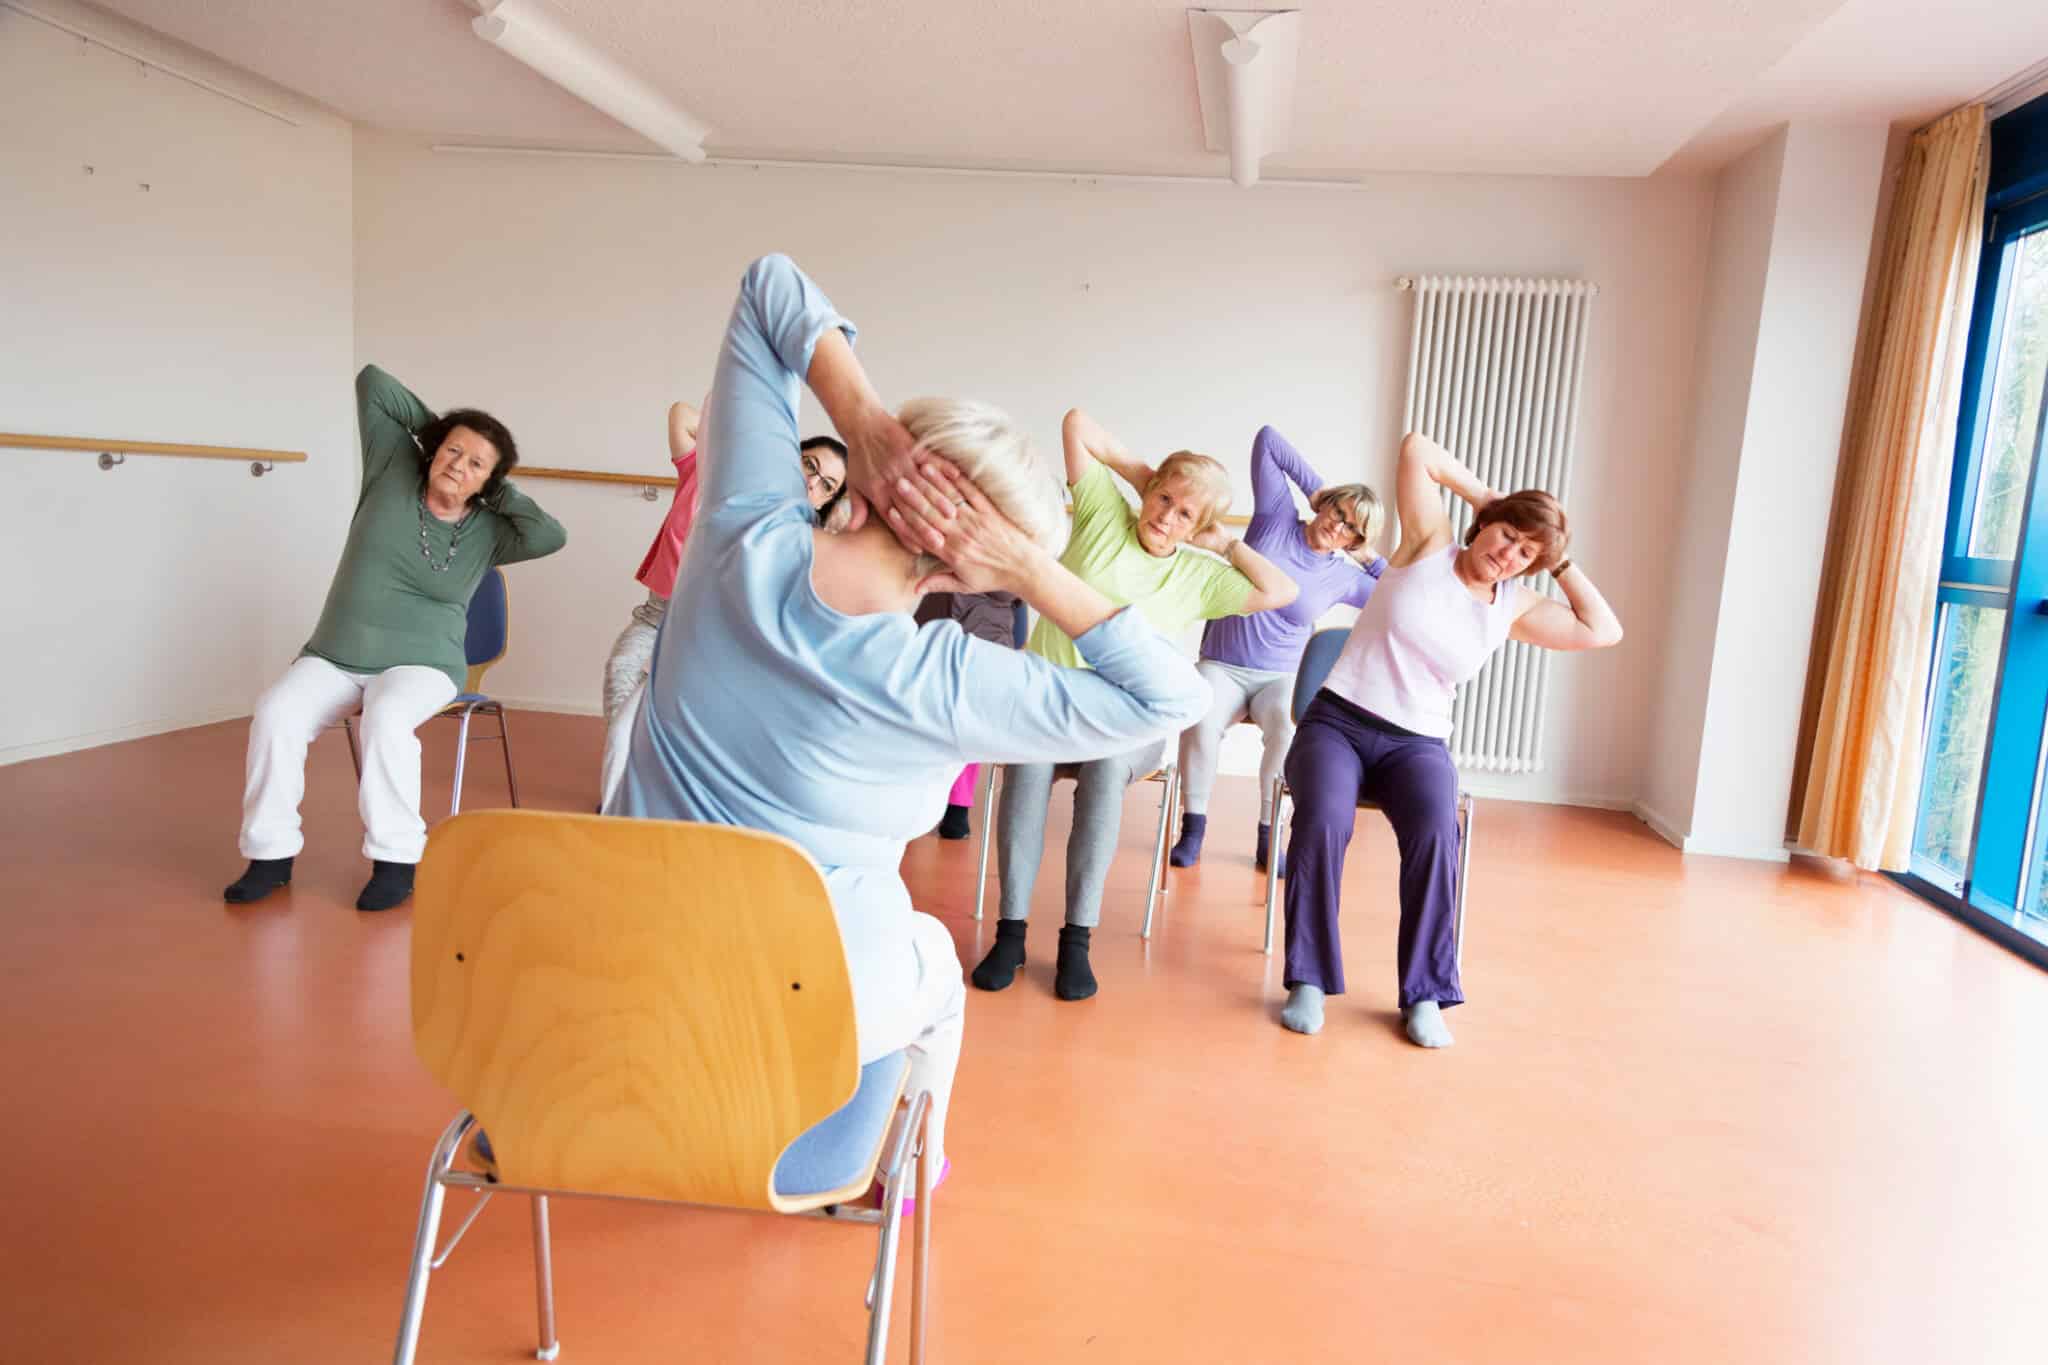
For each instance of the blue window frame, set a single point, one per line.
(1982, 838)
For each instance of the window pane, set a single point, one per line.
(1966, 671)
(2021, 364)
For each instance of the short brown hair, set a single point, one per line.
(1535, 514)
(1205, 472)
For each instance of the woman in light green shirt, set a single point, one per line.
(1131, 558)
(434, 513)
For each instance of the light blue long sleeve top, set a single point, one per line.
(768, 709)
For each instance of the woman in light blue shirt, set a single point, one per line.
(791, 691)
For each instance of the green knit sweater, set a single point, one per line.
(386, 607)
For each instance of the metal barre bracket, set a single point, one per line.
(108, 459)
(648, 493)
(258, 468)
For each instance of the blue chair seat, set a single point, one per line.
(838, 1150)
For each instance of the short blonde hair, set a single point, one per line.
(1357, 504)
(1205, 473)
(996, 455)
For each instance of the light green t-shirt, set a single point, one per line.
(1172, 592)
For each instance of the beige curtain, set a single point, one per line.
(1856, 790)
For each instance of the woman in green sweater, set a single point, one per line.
(434, 514)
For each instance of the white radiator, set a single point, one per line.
(1494, 368)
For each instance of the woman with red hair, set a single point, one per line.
(1378, 729)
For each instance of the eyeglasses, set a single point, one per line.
(814, 473)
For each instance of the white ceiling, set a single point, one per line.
(1560, 87)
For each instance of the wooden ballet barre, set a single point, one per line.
(528, 471)
(18, 441)
(114, 453)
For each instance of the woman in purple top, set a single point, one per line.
(1250, 661)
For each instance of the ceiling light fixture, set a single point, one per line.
(531, 32)
(1244, 76)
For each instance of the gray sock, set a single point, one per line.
(1304, 1010)
(1426, 1025)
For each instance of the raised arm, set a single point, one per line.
(682, 430)
(1271, 587)
(389, 416)
(1274, 464)
(1424, 467)
(1086, 440)
(784, 332)
(1582, 621)
(526, 532)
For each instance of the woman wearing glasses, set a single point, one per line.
(1250, 661)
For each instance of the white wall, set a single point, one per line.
(576, 298)
(1813, 296)
(1793, 223)
(1745, 205)
(214, 307)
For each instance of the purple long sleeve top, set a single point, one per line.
(1273, 640)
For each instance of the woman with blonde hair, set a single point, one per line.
(1378, 729)
(1134, 558)
(1250, 661)
(791, 691)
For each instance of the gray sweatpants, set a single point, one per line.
(1098, 813)
(625, 680)
(1268, 700)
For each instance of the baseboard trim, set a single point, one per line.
(94, 739)
(1663, 828)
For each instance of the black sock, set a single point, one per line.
(263, 876)
(389, 886)
(1072, 979)
(999, 968)
(954, 826)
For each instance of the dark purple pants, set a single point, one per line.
(1338, 760)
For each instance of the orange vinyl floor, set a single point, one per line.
(1698, 1110)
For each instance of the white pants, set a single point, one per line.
(625, 682)
(312, 695)
(928, 1020)
(1268, 698)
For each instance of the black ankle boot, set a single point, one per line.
(390, 886)
(954, 826)
(999, 968)
(264, 876)
(1072, 978)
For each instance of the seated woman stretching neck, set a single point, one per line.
(434, 513)
(791, 691)
(1132, 558)
(1250, 661)
(1378, 729)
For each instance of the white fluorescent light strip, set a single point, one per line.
(152, 63)
(528, 32)
(777, 163)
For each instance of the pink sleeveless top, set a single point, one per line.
(658, 570)
(1420, 635)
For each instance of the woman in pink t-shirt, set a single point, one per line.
(625, 672)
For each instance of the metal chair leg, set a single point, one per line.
(355, 755)
(544, 1281)
(1157, 886)
(883, 1283)
(461, 753)
(505, 738)
(988, 832)
(920, 1242)
(1273, 858)
(1466, 809)
(423, 1239)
